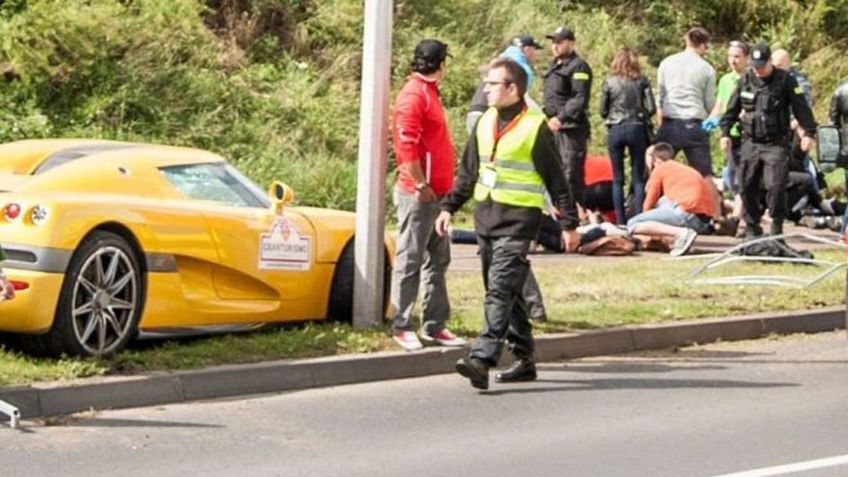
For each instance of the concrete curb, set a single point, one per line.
(43, 400)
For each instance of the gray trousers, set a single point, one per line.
(422, 257)
(505, 269)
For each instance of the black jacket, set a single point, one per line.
(785, 96)
(567, 89)
(626, 100)
(839, 113)
(492, 219)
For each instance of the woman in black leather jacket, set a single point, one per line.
(627, 105)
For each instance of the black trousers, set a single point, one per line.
(571, 145)
(505, 269)
(764, 173)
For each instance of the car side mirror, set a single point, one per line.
(280, 195)
(829, 148)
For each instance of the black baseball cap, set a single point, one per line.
(561, 33)
(526, 40)
(760, 55)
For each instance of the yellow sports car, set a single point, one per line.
(105, 239)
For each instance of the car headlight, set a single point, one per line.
(38, 215)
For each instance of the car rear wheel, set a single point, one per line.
(101, 300)
(340, 307)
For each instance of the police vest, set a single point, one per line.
(506, 172)
(766, 111)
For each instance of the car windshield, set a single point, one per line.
(217, 182)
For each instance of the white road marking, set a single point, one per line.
(791, 468)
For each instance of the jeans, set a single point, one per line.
(634, 137)
(687, 135)
(730, 172)
(422, 256)
(669, 213)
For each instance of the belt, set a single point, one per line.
(691, 120)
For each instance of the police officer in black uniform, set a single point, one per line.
(567, 87)
(762, 104)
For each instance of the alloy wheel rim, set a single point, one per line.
(104, 299)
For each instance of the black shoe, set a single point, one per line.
(521, 370)
(475, 370)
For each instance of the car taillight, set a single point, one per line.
(12, 211)
(38, 214)
(17, 285)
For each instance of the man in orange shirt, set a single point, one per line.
(678, 201)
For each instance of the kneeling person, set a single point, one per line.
(507, 165)
(678, 201)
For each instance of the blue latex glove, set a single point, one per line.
(709, 124)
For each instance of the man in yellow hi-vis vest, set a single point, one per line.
(508, 164)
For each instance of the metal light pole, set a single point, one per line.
(371, 171)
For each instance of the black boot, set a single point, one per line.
(753, 231)
(475, 370)
(521, 370)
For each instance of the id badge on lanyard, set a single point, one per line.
(489, 176)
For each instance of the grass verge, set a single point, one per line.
(580, 293)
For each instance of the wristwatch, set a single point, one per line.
(421, 186)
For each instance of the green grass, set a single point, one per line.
(580, 294)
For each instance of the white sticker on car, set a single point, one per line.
(283, 248)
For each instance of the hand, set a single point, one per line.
(570, 240)
(554, 124)
(807, 143)
(726, 143)
(7, 291)
(442, 223)
(554, 212)
(709, 124)
(425, 195)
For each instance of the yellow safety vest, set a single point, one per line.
(507, 173)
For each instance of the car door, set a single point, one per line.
(265, 259)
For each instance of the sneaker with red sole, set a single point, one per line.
(407, 340)
(443, 337)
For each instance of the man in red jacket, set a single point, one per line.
(425, 162)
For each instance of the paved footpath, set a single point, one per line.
(751, 408)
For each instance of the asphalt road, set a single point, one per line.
(704, 411)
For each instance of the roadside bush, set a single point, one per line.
(274, 84)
